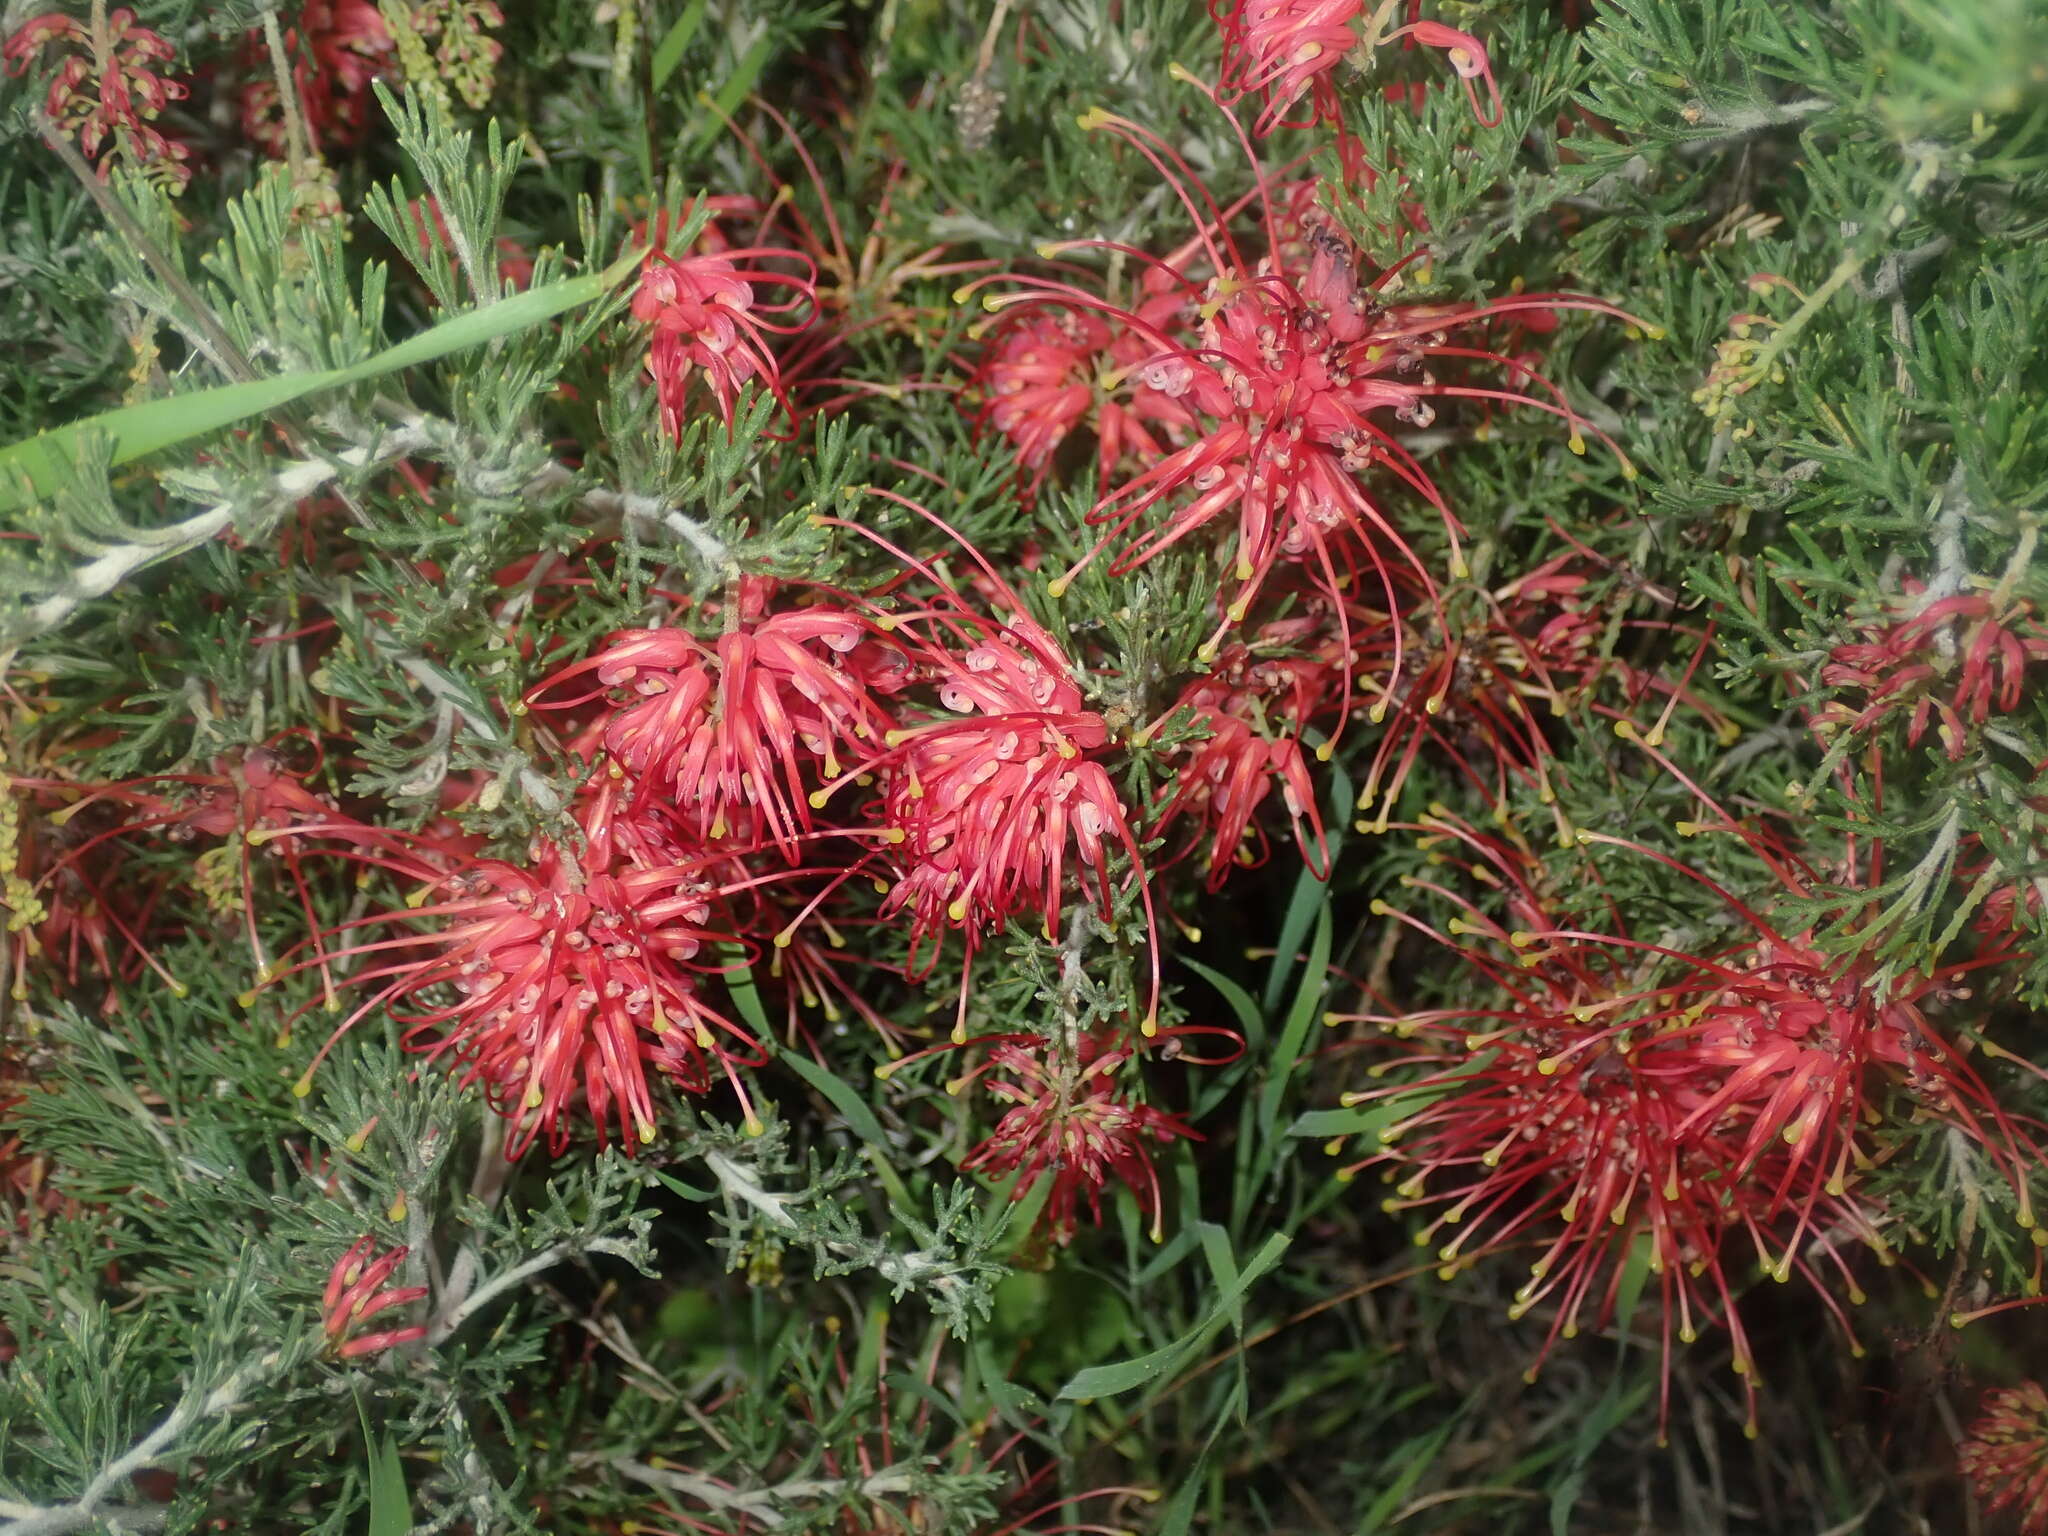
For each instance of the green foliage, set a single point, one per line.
(309, 455)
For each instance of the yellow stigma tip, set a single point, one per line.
(1325, 752)
(1057, 587)
(302, 1087)
(752, 1125)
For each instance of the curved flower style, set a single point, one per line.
(560, 981)
(1624, 1093)
(356, 1292)
(1069, 1121)
(707, 317)
(2004, 1454)
(730, 729)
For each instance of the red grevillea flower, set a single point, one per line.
(337, 50)
(559, 982)
(253, 803)
(2004, 1454)
(1253, 707)
(1288, 49)
(731, 730)
(1049, 371)
(108, 88)
(1481, 672)
(1040, 379)
(1071, 1121)
(708, 317)
(983, 805)
(1623, 1091)
(356, 1292)
(1954, 661)
(1296, 374)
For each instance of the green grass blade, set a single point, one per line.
(858, 1113)
(1109, 1380)
(668, 54)
(1301, 1018)
(390, 1504)
(35, 467)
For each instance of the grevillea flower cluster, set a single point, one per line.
(1951, 662)
(734, 788)
(337, 50)
(1704, 1107)
(2004, 1454)
(108, 88)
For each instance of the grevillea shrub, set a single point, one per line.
(1000, 770)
